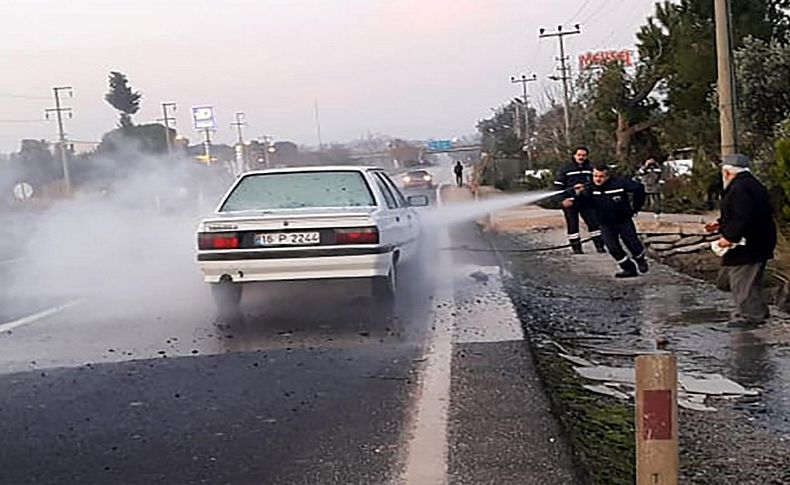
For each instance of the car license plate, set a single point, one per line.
(288, 239)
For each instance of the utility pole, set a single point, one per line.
(59, 110)
(207, 145)
(268, 148)
(517, 118)
(239, 124)
(166, 119)
(565, 72)
(524, 80)
(318, 126)
(241, 152)
(726, 83)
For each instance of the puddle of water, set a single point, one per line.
(697, 316)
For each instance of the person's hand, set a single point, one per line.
(567, 203)
(578, 188)
(724, 243)
(712, 226)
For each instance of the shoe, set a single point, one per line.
(626, 274)
(641, 264)
(577, 247)
(599, 245)
(628, 270)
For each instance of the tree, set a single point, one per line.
(763, 77)
(684, 34)
(123, 98)
(622, 102)
(36, 162)
(147, 139)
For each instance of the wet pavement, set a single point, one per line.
(576, 302)
(309, 386)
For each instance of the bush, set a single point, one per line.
(780, 175)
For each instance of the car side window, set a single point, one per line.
(395, 190)
(387, 193)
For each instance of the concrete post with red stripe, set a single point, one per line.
(656, 419)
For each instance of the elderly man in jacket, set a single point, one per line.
(748, 234)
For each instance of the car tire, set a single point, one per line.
(227, 297)
(385, 287)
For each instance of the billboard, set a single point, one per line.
(203, 117)
(601, 58)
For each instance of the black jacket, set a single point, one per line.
(573, 174)
(616, 201)
(746, 213)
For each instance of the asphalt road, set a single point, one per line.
(310, 386)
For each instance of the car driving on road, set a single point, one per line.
(308, 223)
(417, 179)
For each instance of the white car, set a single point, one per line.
(308, 223)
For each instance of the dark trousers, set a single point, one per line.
(572, 222)
(459, 179)
(746, 284)
(613, 233)
(654, 202)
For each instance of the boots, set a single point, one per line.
(629, 270)
(599, 245)
(641, 264)
(576, 245)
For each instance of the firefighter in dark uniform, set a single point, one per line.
(578, 172)
(615, 201)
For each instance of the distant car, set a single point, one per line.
(308, 223)
(417, 179)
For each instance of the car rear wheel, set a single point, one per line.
(227, 297)
(385, 288)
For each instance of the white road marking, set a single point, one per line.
(11, 261)
(426, 450)
(39, 316)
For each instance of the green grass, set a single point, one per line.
(600, 430)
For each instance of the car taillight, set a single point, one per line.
(363, 235)
(218, 240)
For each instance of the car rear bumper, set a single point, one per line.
(248, 268)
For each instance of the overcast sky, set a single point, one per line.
(408, 68)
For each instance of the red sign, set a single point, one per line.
(657, 414)
(602, 58)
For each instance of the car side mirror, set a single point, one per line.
(418, 201)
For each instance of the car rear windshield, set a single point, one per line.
(300, 190)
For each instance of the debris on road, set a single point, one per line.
(693, 389)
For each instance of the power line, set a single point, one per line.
(21, 96)
(23, 121)
(573, 17)
(595, 13)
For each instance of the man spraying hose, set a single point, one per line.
(578, 172)
(616, 200)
